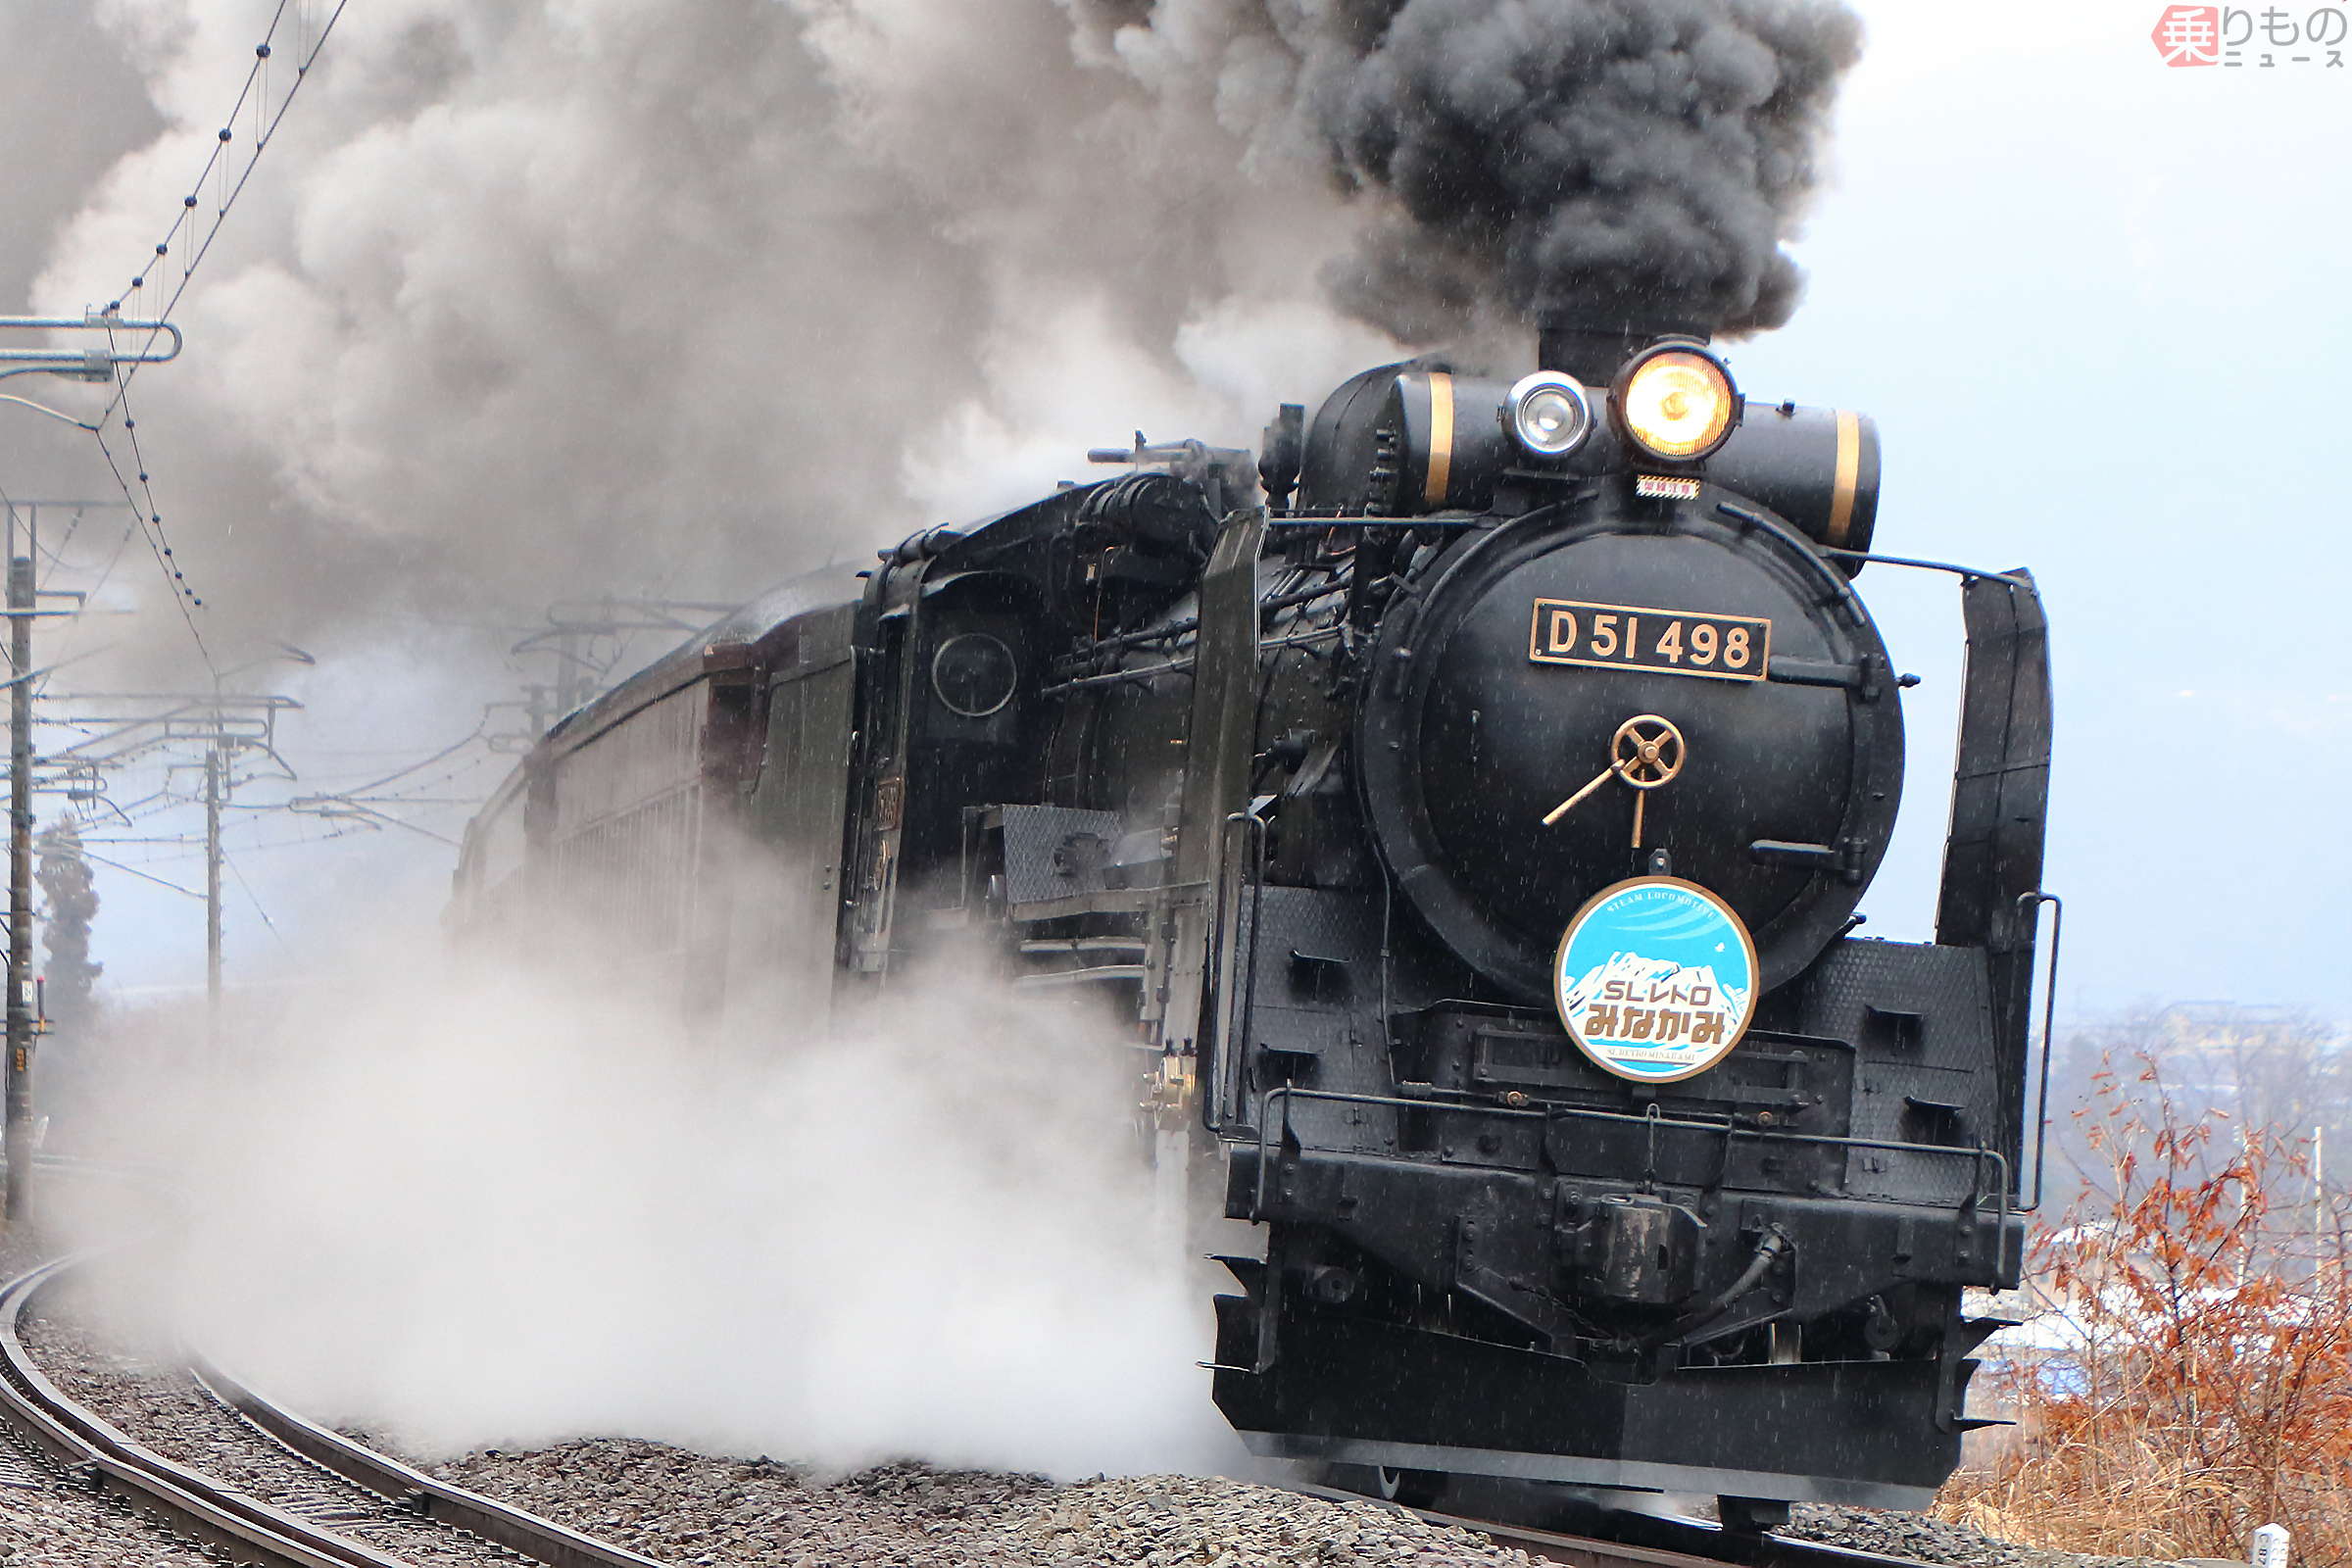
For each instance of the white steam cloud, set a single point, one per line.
(539, 299)
(542, 298)
(491, 1212)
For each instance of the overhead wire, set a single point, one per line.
(254, 900)
(214, 161)
(56, 553)
(168, 799)
(181, 595)
(143, 876)
(148, 519)
(135, 525)
(196, 850)
(445, 751)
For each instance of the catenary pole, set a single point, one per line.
(83, 365)
(211, 895)
(18, 1130)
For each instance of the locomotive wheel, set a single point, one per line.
(1414, 1489)
(1411, 1489)
(1407, 1489)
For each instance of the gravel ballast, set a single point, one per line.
(164, 1410)
(695, 1511)
(58, 1527)
(1935, 1541)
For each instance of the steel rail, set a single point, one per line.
(87, 1446)
(248, 1531)
(540, 1539)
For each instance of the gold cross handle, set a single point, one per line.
(1645, 752)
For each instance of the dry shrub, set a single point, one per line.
(2192, 1376)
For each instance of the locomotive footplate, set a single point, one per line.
(1376, 1394)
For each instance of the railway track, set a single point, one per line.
(316, 1499)
(332, 1493)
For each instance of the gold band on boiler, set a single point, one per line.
(1440, 438)
(1849, 472)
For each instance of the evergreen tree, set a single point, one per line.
(72, 893)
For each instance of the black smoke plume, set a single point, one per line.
(1637, 160)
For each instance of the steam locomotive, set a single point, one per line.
(1468, 802)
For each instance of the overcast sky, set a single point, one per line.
(2099, 308)
(2096, 305)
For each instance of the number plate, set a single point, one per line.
(1677, 642)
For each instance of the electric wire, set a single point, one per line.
(180, 596)
(143, 876)
(254, 900)
(402, 772)
(57, 554)
(213, 162)
(176, 579)
(150, 515)
(116, 559)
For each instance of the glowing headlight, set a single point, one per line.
(1549, 415)
(1676, 401)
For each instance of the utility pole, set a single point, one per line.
(24, 597)
(211, 899)
(18, 1130)
(121, 727)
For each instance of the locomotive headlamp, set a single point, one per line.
(1549, 413)
(1676, 401)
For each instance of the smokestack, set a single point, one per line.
(1590, 346)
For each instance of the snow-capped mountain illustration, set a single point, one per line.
(1654, 982)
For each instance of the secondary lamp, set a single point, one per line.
(1549, 413)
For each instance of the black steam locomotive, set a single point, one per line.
(1468, 800)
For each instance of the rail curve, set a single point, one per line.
(246, 1530)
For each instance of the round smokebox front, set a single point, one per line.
(1584, 689)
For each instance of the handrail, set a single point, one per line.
(2030, 906)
